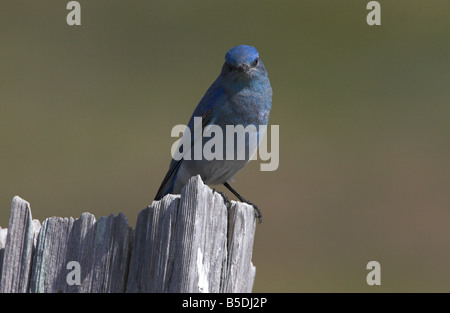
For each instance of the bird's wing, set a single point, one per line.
(205, 110)
(169, 179)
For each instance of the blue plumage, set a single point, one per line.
(241, 95)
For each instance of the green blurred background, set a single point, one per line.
(86, 114)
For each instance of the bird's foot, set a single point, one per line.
(225, 198)
(258, 213)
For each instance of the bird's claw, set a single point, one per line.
(258, 213)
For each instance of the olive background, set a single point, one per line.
(86, 113)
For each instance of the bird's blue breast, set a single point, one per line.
(248, 104)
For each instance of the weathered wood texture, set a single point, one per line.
(183, 243)
(17, 254)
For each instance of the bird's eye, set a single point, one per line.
(229, 67)
(255, 63)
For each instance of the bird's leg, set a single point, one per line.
(258, 213)
(225, 198)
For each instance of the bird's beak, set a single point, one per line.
(243, 68)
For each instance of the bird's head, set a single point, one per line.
(241, 63)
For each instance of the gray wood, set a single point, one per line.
(152, 256)
(49, 258)
(102, 249)
(180, 243)
(240, 273)
(112, 251)
(183, 243)
(3, 234)
(188, 243)
(18, 251)
(201, 238)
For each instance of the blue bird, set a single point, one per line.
(241, 95)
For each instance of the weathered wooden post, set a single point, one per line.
(183, 243)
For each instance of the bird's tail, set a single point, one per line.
(169, 180)
(164, 191)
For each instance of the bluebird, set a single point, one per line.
(241, 95)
